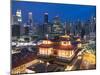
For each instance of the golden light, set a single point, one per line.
(49, 51)
(45, 51)
(78, 39)
(48, 63)
(65, 36)
(89, 57)
(47, 42)
(41, 61)
(65, 43)
(65, 53)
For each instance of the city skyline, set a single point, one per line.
(50, 37)
(68, 13)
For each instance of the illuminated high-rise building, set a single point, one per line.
(19, 16)
(93, 24)
(30, 23)
(30, 19)
(32, 27)
(57, 27)
(45, 24)
(67, 27)
(26, 29)
(45, 17)
(16, 24)
(19, 20)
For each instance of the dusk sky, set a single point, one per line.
(64, 11)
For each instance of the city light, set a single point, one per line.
(46, 41)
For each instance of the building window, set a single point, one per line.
(66, 54)
(65, 43)
(46, 42)
(49, 51)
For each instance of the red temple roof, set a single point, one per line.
(22, 60)
(64, 39)
(69, 47)
(45, 45)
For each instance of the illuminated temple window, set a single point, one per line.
(45, 51)
(49, 51)
(63, 53)
(47, 42)
(65, 43)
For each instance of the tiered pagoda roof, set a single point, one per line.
(69, 47)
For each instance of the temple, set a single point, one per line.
(61, 48)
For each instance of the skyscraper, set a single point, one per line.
(30, 19)
(45, 24)
(57, 27)
(78, 27)
(15, 30)
(93, 24)
(14, 19)
(45, 17)
(26, 29)
(19, 16)
(19, 20)
(30, 23)
(15, 24)
(67, 27)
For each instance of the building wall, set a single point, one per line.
(46, 51)
(65, 53)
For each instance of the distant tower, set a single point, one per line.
(67, 27)
(30, 23)
(26, 29)
(93, 24)
(78, 27)
(45, 24)
(30, 18)
(57, 27)
(19, 15)
(70, 27)
(45, 17)
(15, 30)
(14, 19)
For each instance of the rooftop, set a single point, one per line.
(21, 58)
(69, 47)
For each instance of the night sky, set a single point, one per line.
(68, 12)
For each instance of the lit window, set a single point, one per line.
(63, 53)
(46, 42)
(49, 51)
(59, 53)
(65, 43)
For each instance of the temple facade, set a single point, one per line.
(65, 50)
(46, 48)
(61, 48)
